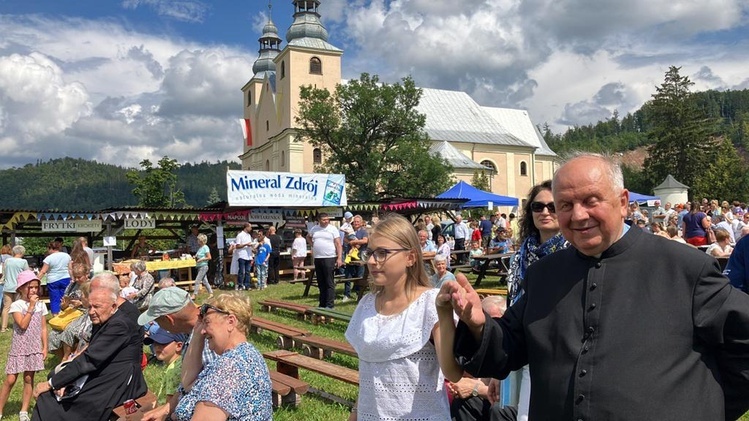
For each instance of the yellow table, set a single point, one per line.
(155, 265)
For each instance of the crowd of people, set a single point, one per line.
(607, 317)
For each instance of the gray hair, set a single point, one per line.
(106, 280)
(19, 249)
(140, 266)
(166, 282)
(494, 304)
(613, 168)
(440, 258)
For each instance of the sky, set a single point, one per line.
(119, 81)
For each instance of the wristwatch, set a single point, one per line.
(475, 391)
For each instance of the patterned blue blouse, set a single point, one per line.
(238, 382)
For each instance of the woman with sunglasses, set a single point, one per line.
(539, 236)
(235, 386)
(395, 332)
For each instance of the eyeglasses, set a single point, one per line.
(380, 254)
(539, 207)
(205, 307)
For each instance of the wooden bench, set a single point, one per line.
(483, 292)
(289, 363)
(325, 315)
(300, 309)
(319, 347)
(461, 268)
(285, 333)
(286, 390)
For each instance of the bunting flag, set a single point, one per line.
(18, 217)
(246, 130)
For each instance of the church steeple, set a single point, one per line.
(306, 22)
(270, 46)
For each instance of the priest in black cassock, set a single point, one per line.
(624, 325)
(111, 362)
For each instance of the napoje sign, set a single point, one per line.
(260, 188)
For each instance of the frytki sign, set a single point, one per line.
(261, 188)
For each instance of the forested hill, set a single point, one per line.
(78, 184)
(728, 110)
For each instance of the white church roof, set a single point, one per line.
(519, 123)
(453, 156)
(454, 116)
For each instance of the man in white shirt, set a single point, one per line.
(327, 254)
(429, 227)
(461, 233)
(243, 248)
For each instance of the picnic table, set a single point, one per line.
(485, 261)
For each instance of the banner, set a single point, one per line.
(262, 188)
(72, 226)
(140, 223)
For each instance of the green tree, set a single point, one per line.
(725, 177)
(682, 144)
(157, 187)
(372, 133)
(480, 181)
(213, 197)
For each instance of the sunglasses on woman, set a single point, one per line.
(538, 207)
(205, 307)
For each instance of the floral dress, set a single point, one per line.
(238, 382)
(26, 346)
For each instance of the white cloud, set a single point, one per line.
(187, 11)
(94, 89)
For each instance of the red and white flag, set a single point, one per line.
(246, 130)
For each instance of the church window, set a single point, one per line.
(267, 126)
(315, 66)
(490, 166)
(317, 156)
(523, 168)
(283, 69)
(249, 98)
(283, 158)
(267, 165)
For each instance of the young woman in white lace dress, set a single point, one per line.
(395, 332)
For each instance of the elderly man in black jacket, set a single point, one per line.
(111, 363)
(624, 326)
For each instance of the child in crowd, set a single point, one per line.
(167, 348)
(476, 251)
(28, 347)
(125, 288)
(475, 231)
(353, 253)
(261, 260)
(298, 254)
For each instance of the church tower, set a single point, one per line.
(307, 59)
(261, 86)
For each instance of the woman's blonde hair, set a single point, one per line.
(238, 305)
(397, 229)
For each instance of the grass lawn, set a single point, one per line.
(312, 408)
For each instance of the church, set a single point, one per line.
(501, 142)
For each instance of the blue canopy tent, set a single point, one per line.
(476, 198)
(639, 198)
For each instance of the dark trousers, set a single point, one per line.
(477, 409)
(324, 268)
(273, 264)
(352, 271)
(460, 244)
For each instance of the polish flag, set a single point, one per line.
(246, 130)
